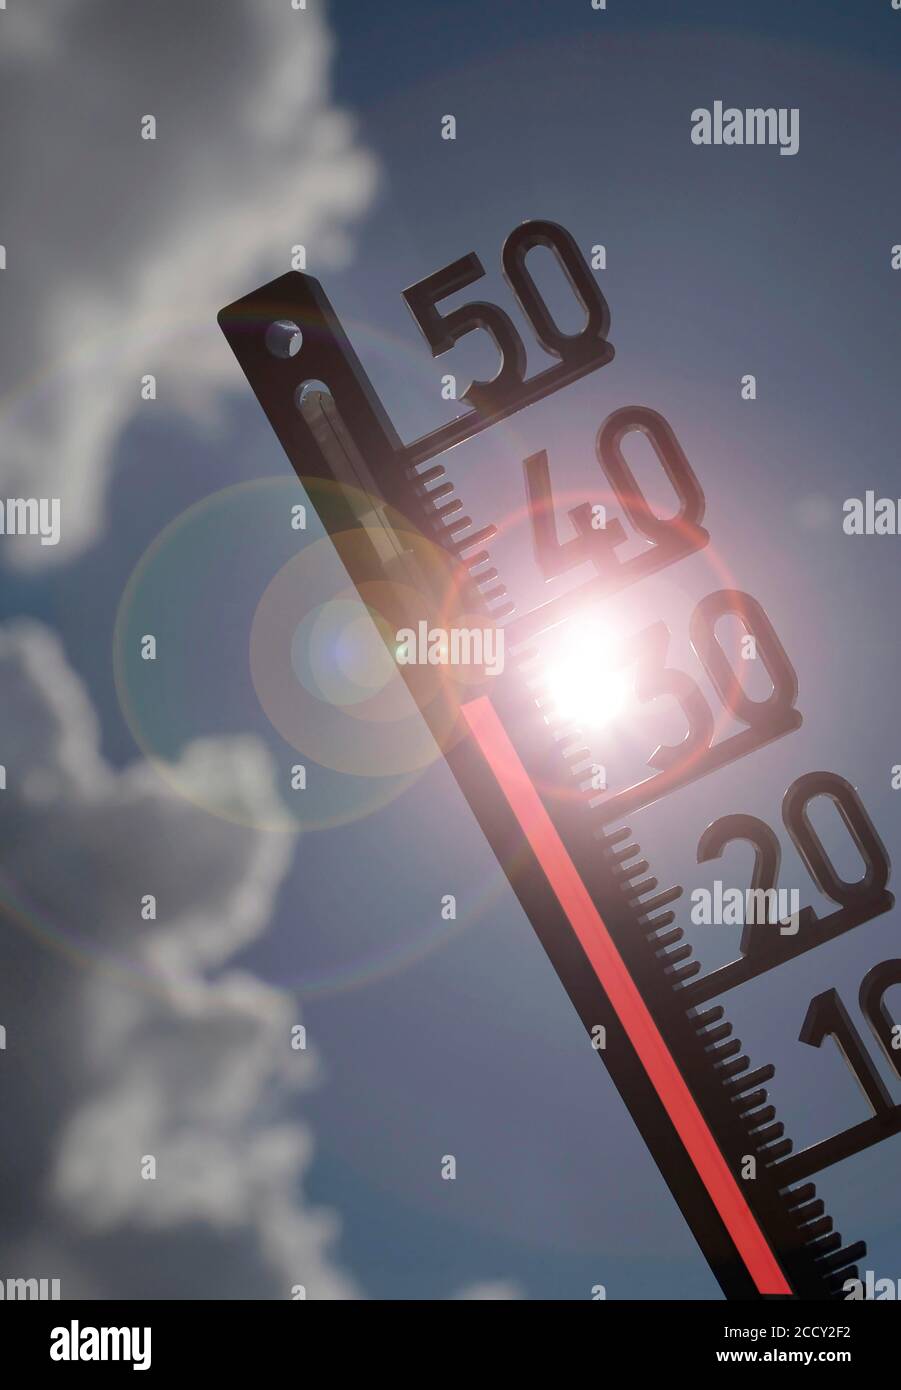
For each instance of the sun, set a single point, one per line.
(584, 683)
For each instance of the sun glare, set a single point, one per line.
(583, 681)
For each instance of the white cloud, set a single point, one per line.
(128, 1037)
(120, 251)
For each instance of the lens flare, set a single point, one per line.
(585, 682)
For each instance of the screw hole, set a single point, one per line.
(306, 397)
(284, 338)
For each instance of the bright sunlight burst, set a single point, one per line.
(583, 681)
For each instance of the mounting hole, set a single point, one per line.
(306, 396)
(284, 338)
